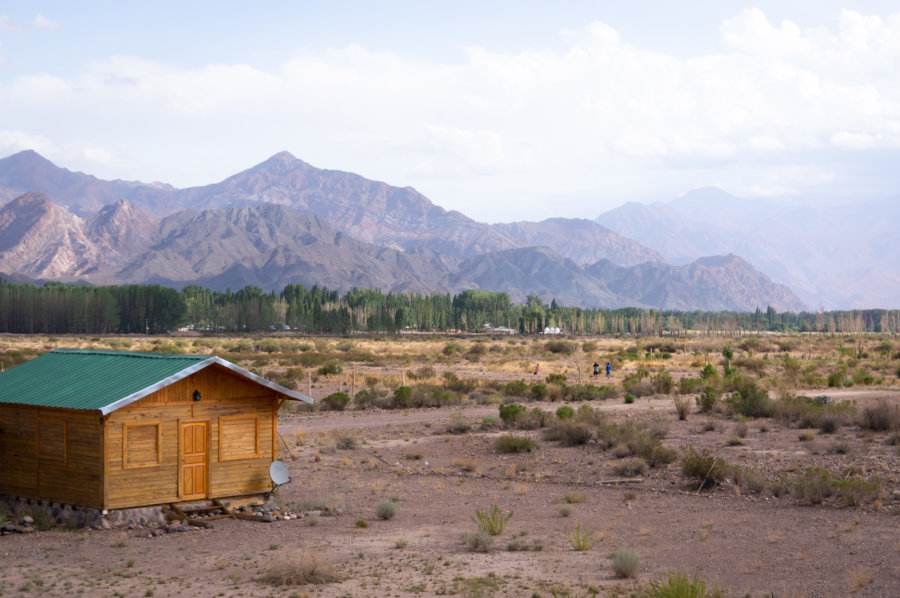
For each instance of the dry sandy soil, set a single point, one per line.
(742, 545)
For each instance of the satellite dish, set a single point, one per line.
(279, 473)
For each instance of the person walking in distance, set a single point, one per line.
(608, 369)
(596, 369)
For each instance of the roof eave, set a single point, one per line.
(200, 365)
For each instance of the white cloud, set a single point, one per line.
(42, 22)
(10, 25)
(604, 116)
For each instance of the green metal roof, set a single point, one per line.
(107, 380)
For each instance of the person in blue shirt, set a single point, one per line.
(608, 369)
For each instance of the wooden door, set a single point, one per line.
(193, 460)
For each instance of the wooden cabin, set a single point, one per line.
(116, 429)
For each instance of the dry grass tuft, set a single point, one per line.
(299, 568)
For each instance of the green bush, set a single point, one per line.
(629, 398)
(678, 585)
(750, 401)
(556, 379)
(708, 399)
(814, 485)
(589, 392)
(631, 467)
(663, 383)
(703, 467)
(332, 366)
(689, 386)
(565, 412)
(511, 412)
(512, 443)
(538, 391)
(363, 398)
(336, 401)
(560, 347)
(515, 388)
(838, 378)
(568, 432)
(709, 372)
(403, 397)
(456, 384)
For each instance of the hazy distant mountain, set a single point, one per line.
(82, 194)
(710, 283)
(536, 271)
(348, 232)
(271, 246)
(839, 256)
(582, 241)
(371, 211)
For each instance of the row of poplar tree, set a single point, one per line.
(58, 308)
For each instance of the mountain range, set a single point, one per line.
(837, 257)
(285, 221)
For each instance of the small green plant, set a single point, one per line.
(629, 398)
(581, 540)
(704, 467)
(626, 562)
(336, 401)
(492, 522)
(386, 509)
(678, 585)
(513, 443)
(631, 467)
(574, 497)
(362, 523)
(708, 399)
(400, 544)
(565, 412)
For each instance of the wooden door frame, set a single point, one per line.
(180, 471)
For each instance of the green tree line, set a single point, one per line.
(57, 308)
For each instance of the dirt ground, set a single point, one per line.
(741, 545)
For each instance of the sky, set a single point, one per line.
(505, 111)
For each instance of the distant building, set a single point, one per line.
(552, 331)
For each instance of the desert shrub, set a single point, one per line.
(704, 467)
(814, 485)
(564, 347)
(690, 385)
(663, 383)
(299, 568)
(492, 522)
(456, 384)
(581, 540)
(336, 401)
(515, 388)
(838, 378)
(682, 407)
(512, 443)
(565, 412)
(636, 384)
(568, 432)
(386, 509)
(479, 541)
(589, 392)
(751, 364)
(476, 351)
(709, 373)
(678, 585)
(855, 490)
(862, 376)
(708, 399)
(450, 349)
(631, 467)
(538, 391)
(556, 379)
(458, 424)
(880, 417)
(403, 397)
(363, 398)
(629, 398)
(511, 412)
(589, 346)
(588, 415)
(750, 400)
(625, 562)
(332, 366)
